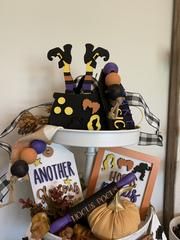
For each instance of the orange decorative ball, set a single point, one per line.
(112, 78)
(29, 155)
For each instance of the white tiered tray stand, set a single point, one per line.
(96, 139)
(93, 140)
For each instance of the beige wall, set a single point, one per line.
(137, 34)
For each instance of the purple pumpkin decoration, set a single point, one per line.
(38, 145)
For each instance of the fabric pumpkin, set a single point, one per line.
(116, 220)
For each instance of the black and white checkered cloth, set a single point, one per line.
(136, 100)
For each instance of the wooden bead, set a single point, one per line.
(110, 67)
(112, 78)
(29, 155)
(19, 168)
(38, 145)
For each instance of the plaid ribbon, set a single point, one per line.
(136, 100)
(4, 182)
(4, 186)
(6, 147)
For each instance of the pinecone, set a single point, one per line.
(48, 108)
(42, 120)
(27, 123)
(82, 233)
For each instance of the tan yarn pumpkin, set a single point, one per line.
(116, 220)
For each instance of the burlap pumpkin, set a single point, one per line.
(116, 220)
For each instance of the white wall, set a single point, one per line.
(137, 34)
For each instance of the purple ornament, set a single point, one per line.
(110, 67)
(38, 145)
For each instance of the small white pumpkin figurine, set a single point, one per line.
(115, 220)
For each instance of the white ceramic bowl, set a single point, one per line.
(172, 224)
(50, 236)
(142, 230)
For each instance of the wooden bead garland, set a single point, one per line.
(28, 155)
(19, 168)
(38, 145)
(112, 78)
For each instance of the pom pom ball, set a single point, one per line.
(19, 169)
(29, 155)
(38, 145)
(110, 67)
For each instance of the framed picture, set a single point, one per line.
(112, 163)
